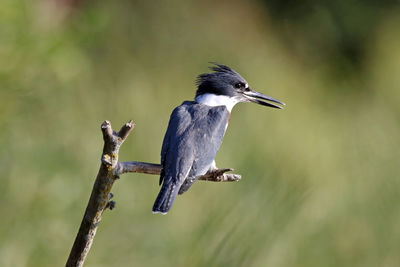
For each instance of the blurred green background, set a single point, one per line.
(320, 182)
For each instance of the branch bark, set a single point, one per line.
(110, 170)
(217, 175)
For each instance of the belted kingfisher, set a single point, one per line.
(196, 129)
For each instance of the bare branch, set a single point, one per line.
(217, 175)
(220, 175)
(107, 131)
(136, 166)
(109, 172)
(100, 197)
(126, 130)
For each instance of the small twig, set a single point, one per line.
(217, 175)
(109, 172)
(220, 175)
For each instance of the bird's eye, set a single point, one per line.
(238, 85)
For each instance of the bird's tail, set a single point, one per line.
(165, 198)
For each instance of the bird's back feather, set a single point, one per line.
(192, 140)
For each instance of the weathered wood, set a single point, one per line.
(217, 175)
(110, 170)
(99, 199)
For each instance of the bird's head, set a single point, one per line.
(225, 84)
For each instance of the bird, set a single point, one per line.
(196, 129)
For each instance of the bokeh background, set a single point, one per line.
(321, 178)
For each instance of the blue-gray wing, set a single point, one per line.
(176, 158)
(192, 140)
(210, 138)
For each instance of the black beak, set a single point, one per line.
(256, 97)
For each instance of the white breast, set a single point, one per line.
(217, 100)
